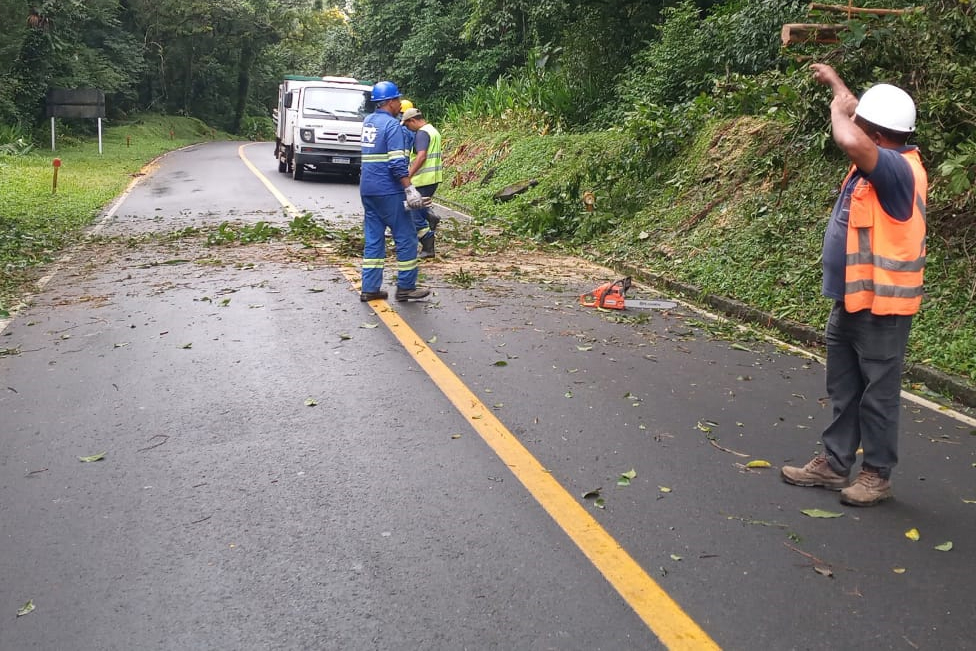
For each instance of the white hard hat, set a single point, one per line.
(889, 107)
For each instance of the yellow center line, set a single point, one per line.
(663, 615)
(282, 199)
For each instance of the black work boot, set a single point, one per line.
(427, 246)
(372, 296)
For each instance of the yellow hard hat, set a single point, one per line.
(405, 105)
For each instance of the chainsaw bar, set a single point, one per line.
(642, 304)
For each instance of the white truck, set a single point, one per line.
(319, 124)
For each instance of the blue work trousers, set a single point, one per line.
(380, 213)
(865, 355)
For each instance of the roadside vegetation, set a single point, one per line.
(37, 222)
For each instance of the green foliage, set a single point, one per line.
(257, 128)
(676, 66)
(228, 233)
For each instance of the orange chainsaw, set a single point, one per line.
(612, 296)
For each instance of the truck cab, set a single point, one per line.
(319, 124)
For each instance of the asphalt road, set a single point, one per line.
(286, 468)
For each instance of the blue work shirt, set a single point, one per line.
(384, 155)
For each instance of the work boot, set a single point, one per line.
(373, 296)
(816, 473)
(867, 489)
(411, 294)
(432, 220)
(427, 246)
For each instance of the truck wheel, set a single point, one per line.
(298, 171)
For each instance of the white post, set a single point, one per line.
(99, 135)
(52, 133)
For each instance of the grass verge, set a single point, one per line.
(36, 222)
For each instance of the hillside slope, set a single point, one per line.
(735, 214)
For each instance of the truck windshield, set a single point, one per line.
(337, 103)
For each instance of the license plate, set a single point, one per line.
(339, 159)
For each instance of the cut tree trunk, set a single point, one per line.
(810, 33)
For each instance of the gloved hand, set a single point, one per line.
(428, 202)
(414, 200)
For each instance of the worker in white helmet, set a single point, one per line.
(873, 264)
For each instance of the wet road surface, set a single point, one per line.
(281, 472)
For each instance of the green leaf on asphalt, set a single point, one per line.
(187, 346)
(820, 513)
(740, 347)
(315, 290)
(625, 477)
(568, 394)
(94, 457)
(584, 348)
(913, 534)
(224, 303)
(664, 489)
(758, 463)
(703, 427)
(369, 325)
(344, 337)
(970, 501)
(501, 362)
(675, 557)
(591, 494)
(432, 340)
(455, 436)
(26, 608)
(600, 503)
(944, 547)
(310, 402)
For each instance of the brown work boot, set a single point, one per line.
(816, 473)
(411, 294)
(867, 489)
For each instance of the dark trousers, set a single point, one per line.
(865, 355)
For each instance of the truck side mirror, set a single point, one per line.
(288, 99)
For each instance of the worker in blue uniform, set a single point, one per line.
(384, 188)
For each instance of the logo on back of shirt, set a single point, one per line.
(369, 135)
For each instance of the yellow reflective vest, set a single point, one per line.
(432, 171)
(885, 256)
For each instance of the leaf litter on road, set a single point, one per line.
(92, 458)
(626, 477)
(26, 608)
(820, 513)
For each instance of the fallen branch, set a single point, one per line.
(164, 437)
(716, 445)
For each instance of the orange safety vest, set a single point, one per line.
(885, 257)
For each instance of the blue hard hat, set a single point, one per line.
(384, 90)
